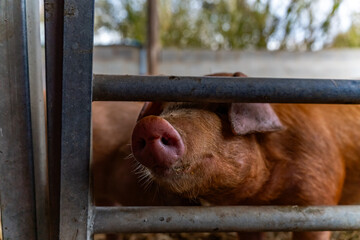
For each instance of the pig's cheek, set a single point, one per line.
(200, 166)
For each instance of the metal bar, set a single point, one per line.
(225, 219)
(38, 118)
(16, 156)
(152, 37)
(76, 119)
(142, 61)
(224, 89)
(54, 12)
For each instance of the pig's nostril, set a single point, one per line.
(156, 143)
(142, 143)
(164, 141)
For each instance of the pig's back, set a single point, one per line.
(347, 130)
(334, 132)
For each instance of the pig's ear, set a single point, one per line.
(225, 74)
(239, 74)
(150, 108)
(248, 118)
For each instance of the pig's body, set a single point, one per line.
(301, 155)
(307, 163)
(112, 123)
(321, 150)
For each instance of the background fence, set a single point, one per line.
(335, 63)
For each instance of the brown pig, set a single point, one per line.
(112, 123)
(253, 153)
(115, 179)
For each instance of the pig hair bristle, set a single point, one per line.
(130, 156)
(144, 175)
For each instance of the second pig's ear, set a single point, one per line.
(246, 118)
(151, 108)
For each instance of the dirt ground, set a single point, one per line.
(351, 235)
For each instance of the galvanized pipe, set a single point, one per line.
(78, 19)
(224, 219)
(17, 197)
(224, 89)
(38, 118)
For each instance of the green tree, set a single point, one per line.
(221, 24)
(127, 17)
(350, 38)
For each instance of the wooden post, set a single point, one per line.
(152, 38)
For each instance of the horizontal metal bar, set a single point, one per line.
(224, 89)
(225, 219)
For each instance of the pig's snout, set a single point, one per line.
(156, 144)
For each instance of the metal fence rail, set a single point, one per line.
(16, 157)
(37, 103)
(54, 28)
(239, 218)
(71, 34)
(76, 119)
(73, 215)
(224, 219)
(224, 89)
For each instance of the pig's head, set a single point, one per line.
(204, 150)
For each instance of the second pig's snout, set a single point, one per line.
(156, 144)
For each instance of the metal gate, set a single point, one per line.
(71, 87)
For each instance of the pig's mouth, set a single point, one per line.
(161, 171)
(170, 172)
(179, 179)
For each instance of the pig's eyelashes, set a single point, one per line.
(130, 156)
(144, 176)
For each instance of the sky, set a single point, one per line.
(346, 10)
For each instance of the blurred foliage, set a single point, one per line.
(128, 17)
(222, 24)
(351, 38)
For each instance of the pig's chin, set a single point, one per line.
(177, 179)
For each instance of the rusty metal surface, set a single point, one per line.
(16, 156)
(224, 219)
(224, 89)
(76, 119)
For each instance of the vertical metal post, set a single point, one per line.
(16, 156)
(142, 61)
(76, 119)
(152, 37)
(54, 24)
(37, 117)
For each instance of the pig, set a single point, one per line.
(112, 123)
(115, 178)
(253, 153)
